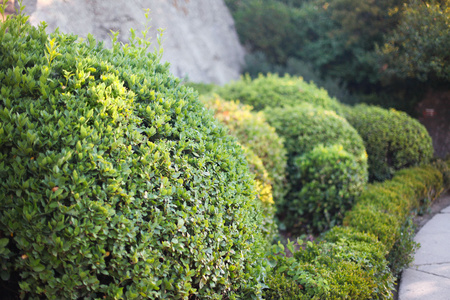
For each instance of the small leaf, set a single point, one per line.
(39, 268)
(3, 242)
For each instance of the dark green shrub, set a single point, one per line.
(305, 126)
(393, 140)
(330, 178)
(274, 91)
(253, 131)
(115, 181)
(327, 164)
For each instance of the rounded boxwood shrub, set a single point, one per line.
(393, 139)
(115, 181)
(327, 164)
(330, 178)
(253, 131)
(305, 126)
(272, 90)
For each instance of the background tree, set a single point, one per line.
(335, 42)
(419, 46)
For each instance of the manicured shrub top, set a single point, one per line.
(115, 181)
(253, 131)
(327, 164)
(393, 139)
(329, 179)
(275, 91)
(305, 126)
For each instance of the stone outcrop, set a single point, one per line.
(199, 40)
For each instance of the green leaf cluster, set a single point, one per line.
(327, 165)
(253, 131)
(418, 47)
(346, 265)
(272, 90)
(115, 181)
(393, 139)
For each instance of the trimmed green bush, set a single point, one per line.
(393, 139)
(402, 253)
(444, 168)
(115, 181)
(330, 178)
(253, 131)
(327, 164)
(359, 260)
(305, 126)
(350, 265)
(274, 91)
(384, 210)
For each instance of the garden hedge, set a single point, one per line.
(327, 165)
(115, 181)
(361, 259)
(252, 130)
(385, 210)
(393, 139)
(272, 90)
(347, 264)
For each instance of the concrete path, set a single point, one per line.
(429, 276)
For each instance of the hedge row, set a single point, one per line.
(393, 140)
(361, 259)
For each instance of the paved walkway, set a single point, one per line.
(429, 276)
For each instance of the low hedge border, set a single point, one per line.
(372, 247)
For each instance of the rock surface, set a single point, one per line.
(199, 41)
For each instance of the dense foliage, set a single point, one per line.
(115, 181)
(275, 91)
(358, 261)
(253, 131)
(383, 209)
(264, 192)
(327, 164)
(346, 265)
(393, 140)
(352, 47)
(419, 45)
(330, 178)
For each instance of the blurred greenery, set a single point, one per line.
(384, 52)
